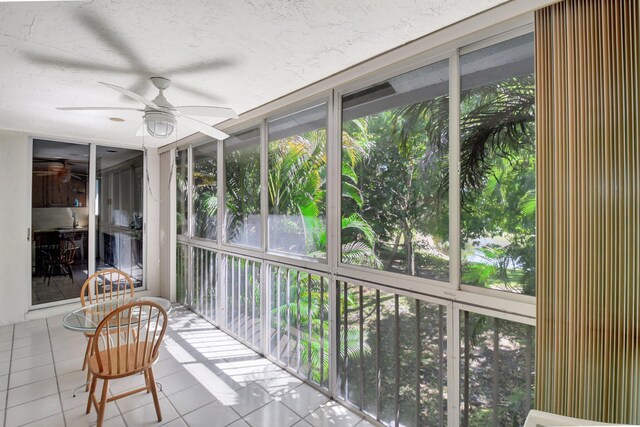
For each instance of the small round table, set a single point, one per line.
(87, 318)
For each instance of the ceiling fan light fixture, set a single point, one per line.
(159, 124)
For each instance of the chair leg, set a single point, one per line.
(103, 402)
(146, 381)
(88, 379)
(71, 274)
(85, 362)
(47, 276)
(91, 391)
(154, 391)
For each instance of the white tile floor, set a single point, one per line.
(207, 379)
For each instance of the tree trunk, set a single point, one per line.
(411, 259)
(394, 252)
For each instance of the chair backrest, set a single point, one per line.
(547, 419)
(67, 251)
(128, 339)
(106, 285)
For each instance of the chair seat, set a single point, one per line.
(120, 363)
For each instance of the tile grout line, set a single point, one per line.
(165, 397)
(55, 372)
(180, 416)
(6, 398)
(331, 399)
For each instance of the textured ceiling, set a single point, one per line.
(233, 53)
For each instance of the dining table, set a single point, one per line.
(88, 317)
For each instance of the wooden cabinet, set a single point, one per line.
(55, 190)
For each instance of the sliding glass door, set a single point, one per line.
(118, 211)
(61, 209)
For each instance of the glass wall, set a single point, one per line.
(205, 190)
(242, 188)
(118, 210)
(379, 325)
(395, 145)
(497, 168)
(298, 182)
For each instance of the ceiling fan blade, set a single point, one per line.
(201, 127)
(201, 66)
(58, 61)
(104, 31)
(206, 111)
(131, 95)
(98, 109)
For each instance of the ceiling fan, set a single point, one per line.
(61, 169)
(160, 117)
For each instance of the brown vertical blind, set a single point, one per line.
(588, 271)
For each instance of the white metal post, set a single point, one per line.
(221, 293)
(172, 226)
(453, 365)
(189, 191)
(91, 201)
(334, 143)
(454, 170)
(265, 303)
(264, 185)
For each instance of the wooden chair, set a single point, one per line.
(63, 260)
(104, 285)
(127, 342)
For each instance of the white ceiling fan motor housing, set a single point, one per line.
(159, 124)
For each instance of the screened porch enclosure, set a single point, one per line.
(378, 240)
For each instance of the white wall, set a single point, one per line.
(15, 221)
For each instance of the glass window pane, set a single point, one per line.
(182, 197)
(497, 366)
(497, 181)
(205, 190)
(60, 216)
(297, 182)
(119, 221)
(242, 188)
(395, 144)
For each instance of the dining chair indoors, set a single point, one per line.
(127, 342)
(62, 260)
(104, 285)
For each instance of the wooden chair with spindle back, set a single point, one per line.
(62, 260)
(126, 342)
(104, 285)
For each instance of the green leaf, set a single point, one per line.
(352, 192)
